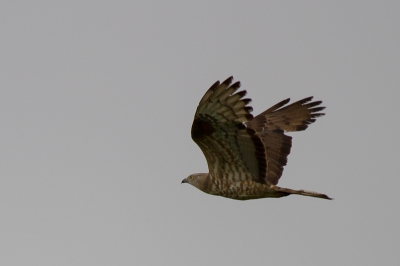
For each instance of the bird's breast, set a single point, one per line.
(240, 190)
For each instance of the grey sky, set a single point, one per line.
(96, 104)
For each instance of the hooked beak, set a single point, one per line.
(184, 181)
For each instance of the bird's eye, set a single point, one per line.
(191, 177)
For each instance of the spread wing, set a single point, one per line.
(270, 126)
(233, 151)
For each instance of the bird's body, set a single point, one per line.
(246, 154)
(240, 190)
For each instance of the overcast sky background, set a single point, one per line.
(96, 104)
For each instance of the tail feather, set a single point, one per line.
(302, 192)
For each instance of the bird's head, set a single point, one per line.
(199, 180)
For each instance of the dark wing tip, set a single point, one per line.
(317, 115)
(236, 85)
(249, 116)
(228, 81)
(306, 100)
(248, 109)
(246, 100)
(312, 104)
(317, 109)
(214, 86)
(241, 93)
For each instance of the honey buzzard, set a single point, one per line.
(246, 154)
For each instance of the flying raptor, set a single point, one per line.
(246, 154)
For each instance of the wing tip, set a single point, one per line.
(228, 81)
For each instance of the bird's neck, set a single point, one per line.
(203, 182)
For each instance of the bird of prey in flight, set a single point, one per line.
(246, 154)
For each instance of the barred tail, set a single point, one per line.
(302, 192)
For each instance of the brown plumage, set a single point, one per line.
(246, 154)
